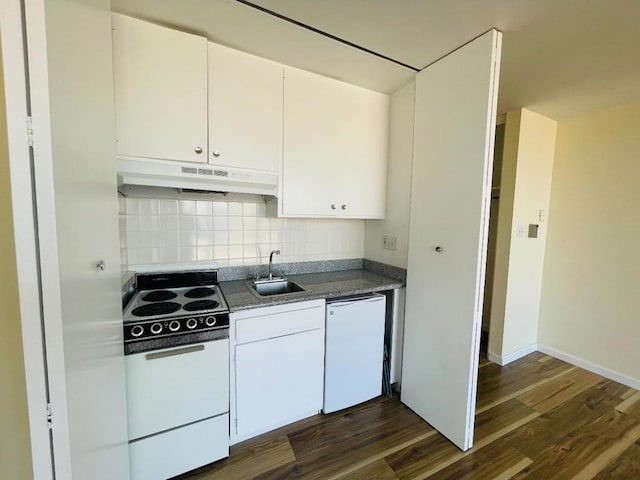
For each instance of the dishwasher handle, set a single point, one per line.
(351, 301)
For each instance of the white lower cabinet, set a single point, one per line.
(278, 374)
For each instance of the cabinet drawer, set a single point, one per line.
(178, 451)
(270, 325)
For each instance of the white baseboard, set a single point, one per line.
(503, 360)
(592, 367)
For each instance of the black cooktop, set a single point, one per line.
(159, 296)
(156, 308)
(200, 292)
(200, 305)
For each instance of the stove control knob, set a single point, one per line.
(137, 330)
(174, 326)
(156, 328)
(192, 323)
(210, 321)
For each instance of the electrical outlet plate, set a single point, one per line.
(542, 216)
(389, 242)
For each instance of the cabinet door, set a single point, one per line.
(311, 144)
(335, 148)
(160, 81)
(278, 381)
(245, 110)
(363, 174)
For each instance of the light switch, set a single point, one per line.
(542, 216)
(533, 230)
(389, 242)
(521, 230)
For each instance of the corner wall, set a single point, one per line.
(15, 448)
(591, 293)
(396, 221)
(524, 192)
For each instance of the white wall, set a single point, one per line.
(524, 191)
(591, 293)
(396, 222)
(228, 233)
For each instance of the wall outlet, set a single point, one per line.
(389, 242)
(521, 230)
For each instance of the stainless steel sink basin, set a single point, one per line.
(276, 287)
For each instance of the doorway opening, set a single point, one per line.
(493, 234)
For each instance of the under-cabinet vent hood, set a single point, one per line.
(190, 177)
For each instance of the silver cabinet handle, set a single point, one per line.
(100, 265)
(344, 207)
(333, 206)
(439, 249)
(171, 353)
(198, 150)
(216, 153)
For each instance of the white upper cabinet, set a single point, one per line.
(182, 98)
(160, 78)
(335, 148)
(245, 110)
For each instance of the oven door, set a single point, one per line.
(172, 387)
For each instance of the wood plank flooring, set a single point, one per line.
(537, 418)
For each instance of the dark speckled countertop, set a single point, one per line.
(318, 285)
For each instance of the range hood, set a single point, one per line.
(190, 177)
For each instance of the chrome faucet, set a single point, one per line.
(277, 252)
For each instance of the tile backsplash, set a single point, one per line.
(227, 233)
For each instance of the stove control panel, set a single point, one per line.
(145, 329)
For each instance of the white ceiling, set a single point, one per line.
(560, 57)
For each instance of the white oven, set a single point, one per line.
(176, 345)
(178, 408)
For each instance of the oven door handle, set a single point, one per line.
(171, 353)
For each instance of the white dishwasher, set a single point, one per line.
(354, 351)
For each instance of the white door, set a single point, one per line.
(450, 192)
(335, 148)
(173, 387)
(71, 85)
(310, 162)
(245, 110)
(354, 349)
(160, 82)
(278, 381)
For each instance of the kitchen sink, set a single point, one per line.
(276, 287)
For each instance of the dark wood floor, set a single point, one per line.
(538, 418)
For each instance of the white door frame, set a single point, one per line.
(22, 25)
